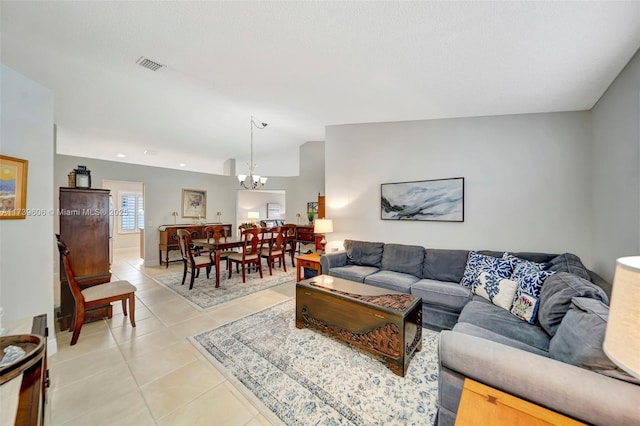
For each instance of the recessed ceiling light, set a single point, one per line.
(150, 152)
(182, 164)
(121, 156)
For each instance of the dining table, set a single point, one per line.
(217, 246)
(222, 244)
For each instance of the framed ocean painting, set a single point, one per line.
(13, 188)
(431, 200)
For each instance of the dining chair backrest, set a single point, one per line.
(280, 239)
(184, 242)
(215, 232)
(252, 241)
(71, 278)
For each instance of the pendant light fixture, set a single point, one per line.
(252, 181)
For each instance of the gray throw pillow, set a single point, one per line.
(556, 294)
(569, 262)
(363, 253)
(579, 339)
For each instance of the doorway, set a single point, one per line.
(127, 231)
(260, 206)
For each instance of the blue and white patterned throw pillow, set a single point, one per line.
(481, 263)
(526, 307)
(499, 291)
(530, 276)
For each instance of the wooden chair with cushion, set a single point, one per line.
(192, 263)
(276, 239)
(250, 255)
(96, 295)
(290, 244)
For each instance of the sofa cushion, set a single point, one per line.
(449, 295)
(571, 263)
(353, 272)
(490, 317)
(479, 262)
(498, 291)
(474, 330)
(534, 257)
(363, 253)
(579, 338)
(396, 281)
(445, 265)
(403, 258)
(556, 295)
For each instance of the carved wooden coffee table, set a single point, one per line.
(384, 322)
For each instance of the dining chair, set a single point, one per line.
(96, 295)
(250, 255)
(290, 244)
(276, 239)
(215, 233)
(192, 264)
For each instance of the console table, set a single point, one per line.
(169, 237)
(305, 235)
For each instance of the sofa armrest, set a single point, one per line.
(576, 392)
(333, 260)
(600, 282)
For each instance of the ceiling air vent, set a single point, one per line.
(144, 62)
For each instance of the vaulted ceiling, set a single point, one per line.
(301, 66)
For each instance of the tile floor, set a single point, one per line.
(150, 374)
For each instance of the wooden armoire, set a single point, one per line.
(85, 227)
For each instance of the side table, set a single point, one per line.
(310, 261)
(484, 405)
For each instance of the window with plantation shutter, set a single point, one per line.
(131, 213)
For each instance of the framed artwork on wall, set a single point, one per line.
(13, 188)
(194, 203)
(273, 211)
(427, 200)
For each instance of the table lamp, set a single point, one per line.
(323, 226)
(253, 216)
(622, 339)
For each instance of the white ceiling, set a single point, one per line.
(301, 66)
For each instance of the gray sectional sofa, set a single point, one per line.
(556, 361)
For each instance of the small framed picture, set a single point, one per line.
(194, 203)
(13, 188)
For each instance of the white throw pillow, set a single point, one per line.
(497, 290)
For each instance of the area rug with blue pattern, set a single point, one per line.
(204, 293)
(301, 376)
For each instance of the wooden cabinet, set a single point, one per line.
(169, 238)
(321, 206)
(85, 223)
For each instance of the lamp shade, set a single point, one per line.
(253, 215)
(622, 339)
(323, 226)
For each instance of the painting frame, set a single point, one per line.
(273, 210)
(435, 200)
(13, 187)
(194, 203)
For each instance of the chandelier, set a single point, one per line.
(253, 181)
